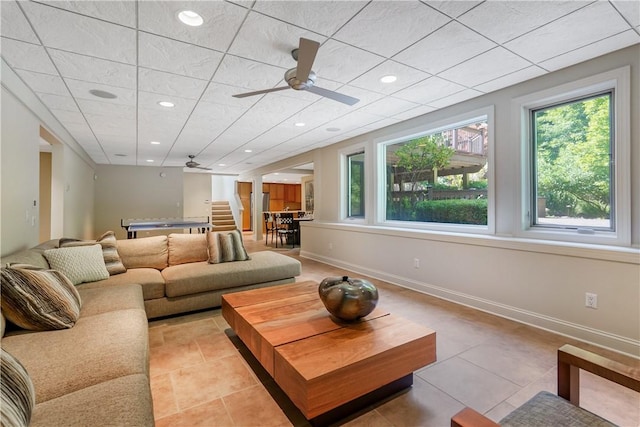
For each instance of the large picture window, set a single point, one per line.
(573, 164)
(440, 176)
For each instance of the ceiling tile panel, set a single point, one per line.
(219, 93)
(342, 63)
(581, 28)
(161, 53)
(511, 79)
(324, 17)
(80, 90)
(629, 9)
(80, 34)
(485, 67)
(453, 8)
(269, 40)
(450, 45)
(93, 105)
(44, 83)
(70, 118)
(406, 76)
(170, 84)
(429, 90)
(455, 98)
(395, 25)
(108, 126)
(57, 102)
(119, 12)
(244, 73)
(90, 69)
(221, 21)
(181, 109)
(502, 21)
(14, 24)
(626, 38)
(414, 112)
(388, 106)
(26, 56)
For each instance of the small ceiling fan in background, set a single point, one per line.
(302, 77)
(193, 164)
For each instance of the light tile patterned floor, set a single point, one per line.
(202, 376)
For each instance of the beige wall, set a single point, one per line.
(197, 195)
(127, 192)
(540, 283)
(23, 115)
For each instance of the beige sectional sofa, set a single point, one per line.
(97, 372)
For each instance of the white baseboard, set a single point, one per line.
(579, 332)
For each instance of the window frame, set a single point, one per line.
(618, 82)
(344, 184)
(428, 128)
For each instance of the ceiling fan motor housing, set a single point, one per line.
(291, 78)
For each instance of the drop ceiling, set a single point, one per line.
(442, 52)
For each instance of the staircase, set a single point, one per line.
(222, 217)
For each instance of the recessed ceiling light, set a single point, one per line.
(166, 104)
(149, 161)
(155, 143)
(222, 164)
(388, 79)
(299, 124)
(248, 151)
(333, 129)
(190, 18)
(102, 94)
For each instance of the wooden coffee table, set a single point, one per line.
(325, 366)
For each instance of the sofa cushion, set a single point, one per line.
(184, 248)
(150, 279)
(33, 256)
(80, 264)
(146, 252)
(38, 299)
(113, 345)
(103, 300)
(109, 250)
(198, 277)
(226, 247)
(124, 401)
(18, 395)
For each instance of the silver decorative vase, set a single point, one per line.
(348, 299)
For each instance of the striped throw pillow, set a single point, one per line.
(38, 299)
(18, 394)
(226, 247)
(109, 250)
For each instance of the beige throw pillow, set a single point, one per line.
(109, 250)
(80, 264)
(38, 299)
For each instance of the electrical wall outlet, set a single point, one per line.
(416, 263)
(591, 300)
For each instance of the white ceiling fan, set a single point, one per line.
(193, 164)
(302, 77)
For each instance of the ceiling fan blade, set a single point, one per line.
(306, 55)
(204, 169)
(259, 92)
(345, 99)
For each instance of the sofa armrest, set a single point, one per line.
(571, 359)
(470, 418)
